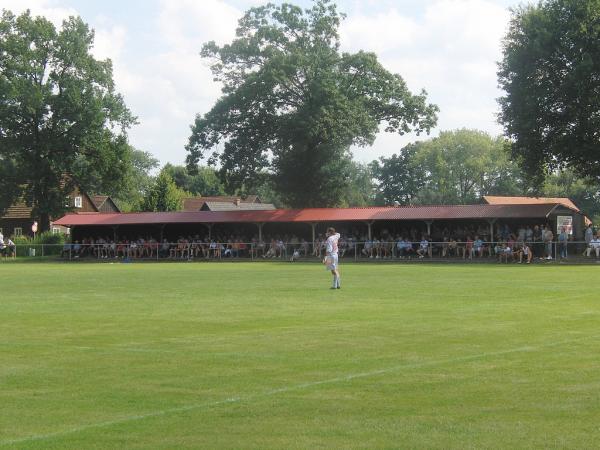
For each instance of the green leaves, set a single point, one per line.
(292, 105)
(457, 167)
(164, 195)
(61, 122)
(550, 73)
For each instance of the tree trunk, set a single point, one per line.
(44, 222)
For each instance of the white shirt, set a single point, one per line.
(332, 244)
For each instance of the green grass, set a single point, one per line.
(259, 356)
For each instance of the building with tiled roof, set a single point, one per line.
(104, 203)
(198, 203)
(237, 206)
(17, 219)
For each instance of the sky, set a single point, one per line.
(447, 47)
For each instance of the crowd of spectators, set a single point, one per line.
(7, 247)
(520, 243)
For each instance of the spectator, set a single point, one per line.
(589, 235)
(423, 247)
(468, 250)
(478, 247)
(505, 253)
(548, 238)
(525, 251)
(563, 239)
(10, 249)
(594, 246)
(66, 250)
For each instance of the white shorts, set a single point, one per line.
(331, 262)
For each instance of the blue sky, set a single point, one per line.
(448, 47)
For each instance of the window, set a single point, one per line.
(78, 202)
(55, 230)
(18, 231)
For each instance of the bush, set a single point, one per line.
(46, 244)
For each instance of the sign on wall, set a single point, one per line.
(564, 221)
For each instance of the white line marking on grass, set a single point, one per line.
(286, 389)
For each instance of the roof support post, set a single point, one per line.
(370, 229)
(162, 231)
(260, 227)
(313, 225)
(429, 223)
(209, 226)
(115, 228)
(491, 222)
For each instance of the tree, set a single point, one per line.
(399, 178)
(137, 181)
(461, 166)
(164, 195)
(204, 181)
(293, 104)
(585, 192)
(549, 72)
(61, 122)
(361, 188)
(457, 167)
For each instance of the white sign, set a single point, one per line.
(34, 227)
(564, 221)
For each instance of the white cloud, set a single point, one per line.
(167, 88)
(109, 41)
(451, 51)
(47, 8)
(449, 48)
(187, 24)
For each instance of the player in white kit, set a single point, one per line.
(331, 256)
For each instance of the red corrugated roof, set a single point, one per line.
(501, 200)
(315, 215)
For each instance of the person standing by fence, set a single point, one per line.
(548, 238)
(589, 235)
(563, 239)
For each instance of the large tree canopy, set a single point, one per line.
(293, 104)
(551, 74)
(204, 181)
(457, 167)
(163, 195)
(137, 181)
(61, 122)
(399, 178)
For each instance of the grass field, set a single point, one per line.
(264, 355)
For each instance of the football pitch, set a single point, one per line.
(264, 355)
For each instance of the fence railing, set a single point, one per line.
(295, 251)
